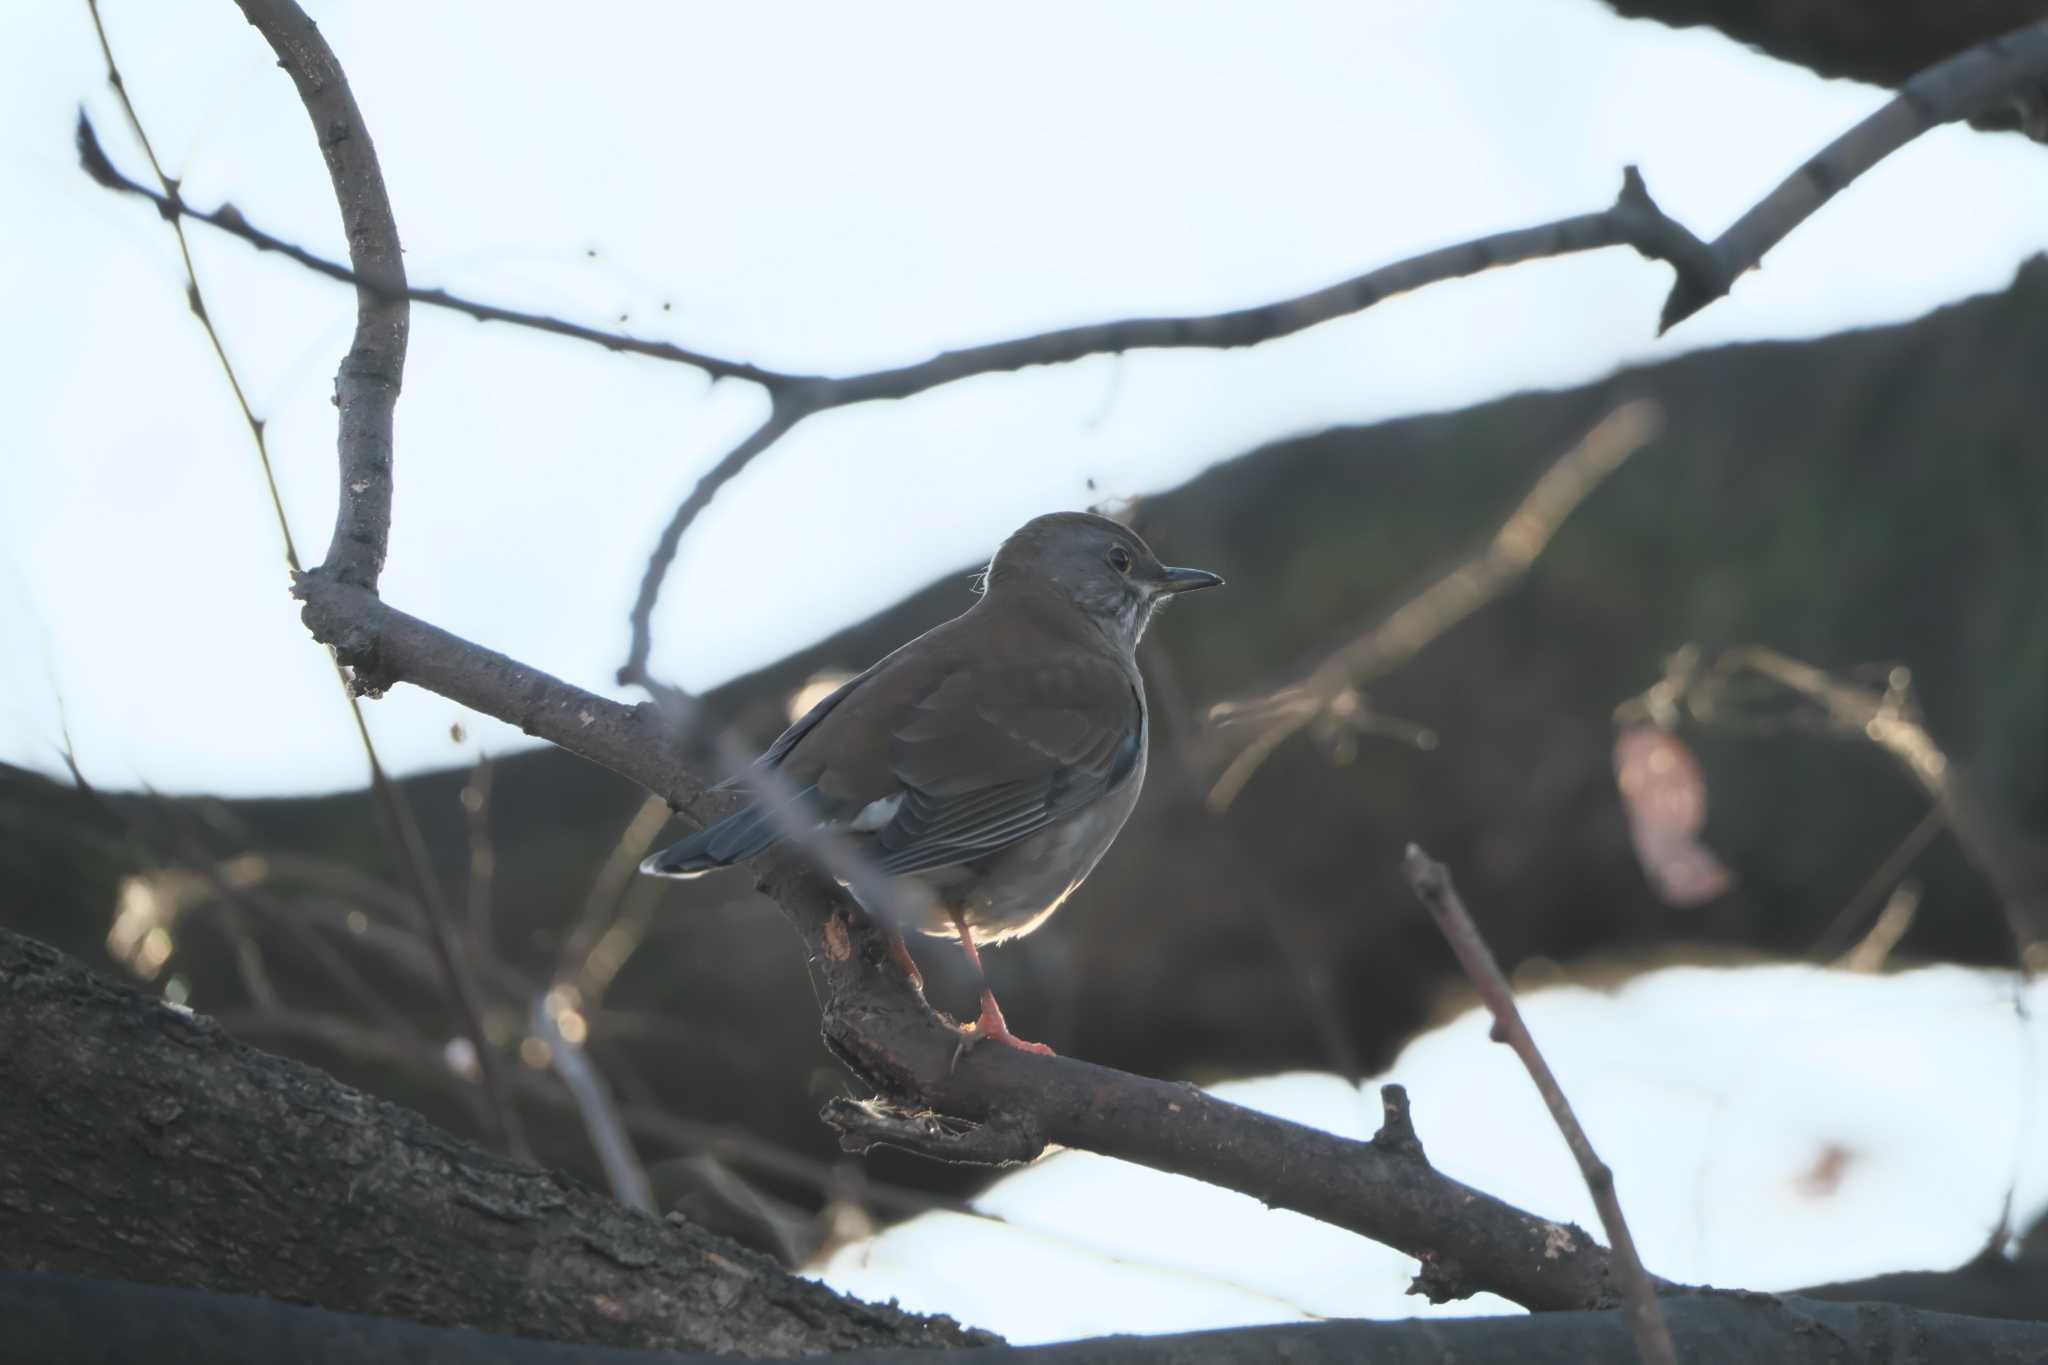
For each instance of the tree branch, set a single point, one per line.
(1965, 85)
(1955, 89)
(366, 388)
(55, 1317)
(157, 1148)
(1431, 882)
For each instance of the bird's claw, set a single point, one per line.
(993, 1027)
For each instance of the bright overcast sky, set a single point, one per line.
(816, 186)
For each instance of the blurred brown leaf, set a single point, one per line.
(1666, 798)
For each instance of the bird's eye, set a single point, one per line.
(1120, 559)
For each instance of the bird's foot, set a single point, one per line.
(992, 1026)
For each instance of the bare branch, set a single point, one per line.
(60, 1317)
(1431, 882)
(227, 218)
(483, 853)
(1329, 689)
(1965, 85)
(781, 417)
(1878, 887)
(1955, 89)
(593, 1099)
(366, 387)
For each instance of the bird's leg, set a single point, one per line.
(899, 951)
(991, 1024)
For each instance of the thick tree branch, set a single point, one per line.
(1431, 882)
(56, 1318)
(1965, 85)
(144, 1143)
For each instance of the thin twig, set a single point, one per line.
(593, 1099)
(228, 219)
(1331, 686)
(602, 903)
(1877, 887)
(781, 417)
(483, 854)
(2016, 869)
(1431, 882)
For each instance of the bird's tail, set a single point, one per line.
(744, 834)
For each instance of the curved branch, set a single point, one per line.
(366, 387)
(781, 417)
(1965, 85)
(1632, 220)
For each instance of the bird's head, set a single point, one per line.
(1102, 568)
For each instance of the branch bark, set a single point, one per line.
(57, 1319)
(1965, 85)
(144, 1143)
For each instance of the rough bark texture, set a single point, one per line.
(55, 1320)
(139, 1142)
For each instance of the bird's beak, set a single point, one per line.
(1187, 580)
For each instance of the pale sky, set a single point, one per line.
(811, 186)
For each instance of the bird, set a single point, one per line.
(985, 767)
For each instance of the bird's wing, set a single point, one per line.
(994, 755)
(772, 756)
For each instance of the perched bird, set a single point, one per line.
(990, 761)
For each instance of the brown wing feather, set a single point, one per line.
(992, 756)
